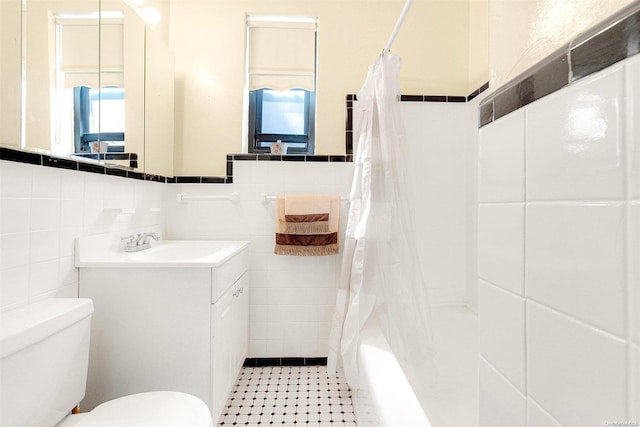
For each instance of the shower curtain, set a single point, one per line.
(381, 279)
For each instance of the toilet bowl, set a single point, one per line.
(44, 353)
(150, 409)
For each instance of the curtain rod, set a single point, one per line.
(399, 22)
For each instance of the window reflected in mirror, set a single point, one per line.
(89, 110)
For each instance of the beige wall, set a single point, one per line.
(522, 32)
(478, 43)
(208, 40)
(10, 29)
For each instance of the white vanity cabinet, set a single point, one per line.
(230, 327)
(180, 328)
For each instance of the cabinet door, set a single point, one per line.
(241, 320)
(222, 361)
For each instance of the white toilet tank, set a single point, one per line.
(44, 352)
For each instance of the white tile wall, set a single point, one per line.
(633, 127)
(501, 332)
(634, 409)
(538, 417)
(634, 268)
(576, 373)
(436, 156)
(501, 245)
(292, 298)
(42, 211)
(575, 261)
(500, 403)
(501, 160)
(575, 137)
(579, 232)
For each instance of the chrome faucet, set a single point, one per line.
(139, 242)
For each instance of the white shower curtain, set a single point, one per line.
(381, 279)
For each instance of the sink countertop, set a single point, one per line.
(91, 253)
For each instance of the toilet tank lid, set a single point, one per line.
(24, 326)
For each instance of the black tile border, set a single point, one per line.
(38, 159)
(256, 362)
(607, 43)
(349, 98)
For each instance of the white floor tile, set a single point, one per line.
(303, 395)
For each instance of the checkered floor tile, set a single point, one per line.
(289, 395)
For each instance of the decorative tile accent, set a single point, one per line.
(293, 158)
(618, 42)
(90, 167)
(59, 163)
(285, 361)
(317, 158)
(611, 41)
(289, 395)
(135, 175)
(116, 172)
(212, 179)
(486, 113)
(550, 76)
(403, 98)
(20, 156)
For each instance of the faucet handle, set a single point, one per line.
(129, 239)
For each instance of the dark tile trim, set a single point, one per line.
(56, 162)
(433, 98)
(244, 156)
(212, 179)
(188, 179)
(550, 76)
(348, 140)
(456, 99)
(603, 45)
(135, 175)
(20, 156)
(294, 158)
(90, 167)
(412, 98)
(270, 157)
(284, 361)
(317, 158)
(116, 172)
(154, 178)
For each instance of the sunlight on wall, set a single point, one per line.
(521, 33)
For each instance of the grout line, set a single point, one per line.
(542, 409)
(524, 259)
(504, 377)
(581, 322)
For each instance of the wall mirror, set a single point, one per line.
(74, 74)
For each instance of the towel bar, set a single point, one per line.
(270, 198)
(233, 197)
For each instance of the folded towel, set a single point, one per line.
(307, 225)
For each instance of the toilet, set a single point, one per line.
(44, 355)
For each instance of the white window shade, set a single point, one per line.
(85, 49)
(282, 55)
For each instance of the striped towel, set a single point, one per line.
(307, 225)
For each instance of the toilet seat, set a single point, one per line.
(152, 409)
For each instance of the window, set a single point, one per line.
(281, 74)
(98, 116)
(286, 116)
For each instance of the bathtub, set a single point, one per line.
(449, 400)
